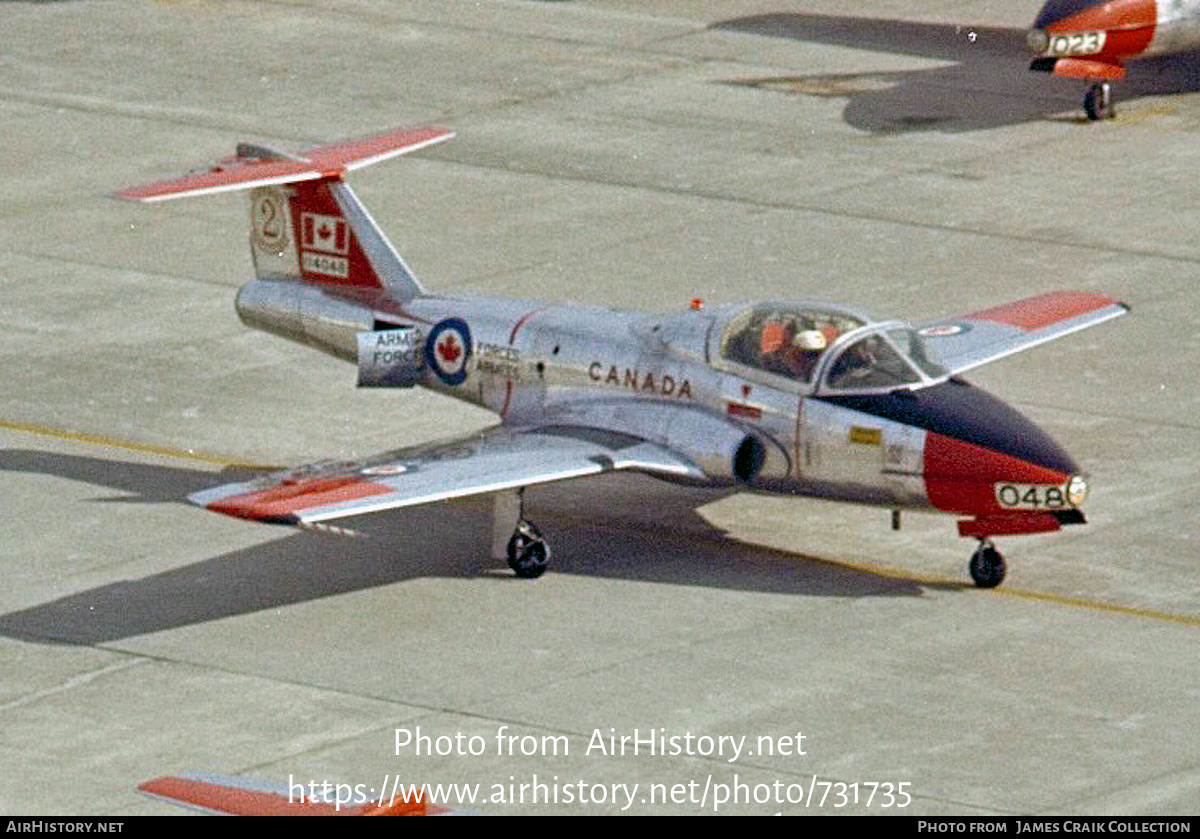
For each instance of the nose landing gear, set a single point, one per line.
(1097, 104)
(987, 565)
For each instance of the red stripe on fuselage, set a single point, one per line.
(512, 336)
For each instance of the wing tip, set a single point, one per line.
(1042, 310)
(243, 797)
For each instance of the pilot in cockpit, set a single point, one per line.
(792, 346)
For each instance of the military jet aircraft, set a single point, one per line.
(1092, 40)
(801, 398)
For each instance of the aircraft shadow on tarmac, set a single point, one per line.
(304, 566)
(988, 85)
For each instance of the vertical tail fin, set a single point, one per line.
(318, 231)
(305, 221)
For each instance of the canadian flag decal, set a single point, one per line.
(323, 233)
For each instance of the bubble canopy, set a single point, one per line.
(823, 349)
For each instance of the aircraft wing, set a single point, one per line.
(961, 343)
(498, 459)
(223, 795)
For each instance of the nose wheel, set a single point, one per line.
(987, 565)
(1097, 104)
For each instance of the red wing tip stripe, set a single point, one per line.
(1047, 309)
(236, 800)
(283, 502)
(235, 796)
(483, 487)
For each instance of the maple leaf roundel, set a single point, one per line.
(447, 350)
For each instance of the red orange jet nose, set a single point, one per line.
(1006, 494)
(1115, 28)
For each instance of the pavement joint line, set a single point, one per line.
(73, 682)
(955, 584)
(144, 448)
(448, 157)
(210, 122)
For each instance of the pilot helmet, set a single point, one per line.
(810, 339)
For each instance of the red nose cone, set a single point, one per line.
(970, 480)
(1128, 26)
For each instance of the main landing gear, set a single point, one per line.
(528, 553)
(526, 549)
(1097, 104)
(987, 565)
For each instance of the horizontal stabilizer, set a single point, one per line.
(329, 161)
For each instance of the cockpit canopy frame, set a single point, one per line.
(820, 348)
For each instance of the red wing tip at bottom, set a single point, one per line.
(250, 513)
(240, 798)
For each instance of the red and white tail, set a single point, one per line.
(305, 221)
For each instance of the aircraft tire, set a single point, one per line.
(528, 553)
(1097, 104)
(987, 567)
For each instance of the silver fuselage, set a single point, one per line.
(657, 377)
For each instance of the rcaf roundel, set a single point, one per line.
(447, 350)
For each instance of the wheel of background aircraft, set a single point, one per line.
(1098, 102)
(987, 566)
(528, 553)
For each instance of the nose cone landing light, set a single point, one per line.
(1077, 491)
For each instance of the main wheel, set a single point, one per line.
(1097, 104)
(987, 567)
(528, 553)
